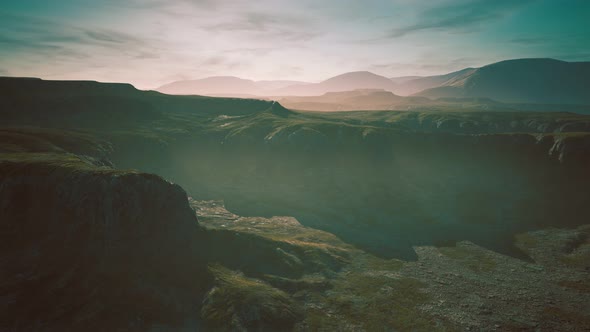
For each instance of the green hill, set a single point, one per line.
(544, 81)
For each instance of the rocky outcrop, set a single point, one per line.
(87, 247)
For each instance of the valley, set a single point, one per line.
(281, 219)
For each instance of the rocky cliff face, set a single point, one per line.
(87, 247)
(391, 181)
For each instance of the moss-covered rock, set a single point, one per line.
(240, 303)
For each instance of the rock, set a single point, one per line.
(85, 247)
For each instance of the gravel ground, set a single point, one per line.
(464, 287)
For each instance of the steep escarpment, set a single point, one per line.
(391, 181)
(383, 180)
(85, 246)
(90, 247)
(388, 191)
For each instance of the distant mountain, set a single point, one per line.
(546, 81)
(381, 100)
(273, 85)
(225, 86)
(230, 86)
(404, 79)
(530, 81)
(210, 85)
(81, 104)
(361, 99)
(409, 85)
(345, 82)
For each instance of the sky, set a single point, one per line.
(152, 42)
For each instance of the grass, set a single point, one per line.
(238, 302)
(580, 260)
(373, 303)
(578, 250)
(566, 320)
(475, 260)
(526, 242)
(377, 264)
(47, 163)
(366, 294)
(309, 282)
(579, 286)
(319, 251)
(572, 251)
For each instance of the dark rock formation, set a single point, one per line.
(90, 248)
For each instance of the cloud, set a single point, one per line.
(256, 51)
(428, 67)
(528, 40)
(114, 37)
(462, 16)
(269, 25)
(149, 41)
(214, 61)
(580, 56)
(147, 55)
(46, 37)
(9, 46)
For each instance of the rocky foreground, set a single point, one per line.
(461, 287)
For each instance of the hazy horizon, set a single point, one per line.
(156, 42)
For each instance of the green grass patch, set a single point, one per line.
(373, 302)
(475, 260)
(238, 302)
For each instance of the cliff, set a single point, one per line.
(85, 246)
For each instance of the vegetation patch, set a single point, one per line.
(563, 320)
(579, 260)
(476, 260)
(237, 302)
(577, 285)
(526, 242)
(373, 303)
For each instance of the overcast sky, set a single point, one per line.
(152, 42)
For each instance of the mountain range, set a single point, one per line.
(532, 81)
(228, 86)
(521, 81)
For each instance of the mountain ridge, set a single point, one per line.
(533, 80)
(564, 83)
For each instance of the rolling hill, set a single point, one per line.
(410, 85)
(225, 86)
(362, 99)
(381, 100)
(545, 81)
(232, 86)
(519, 81)
(345, 82)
